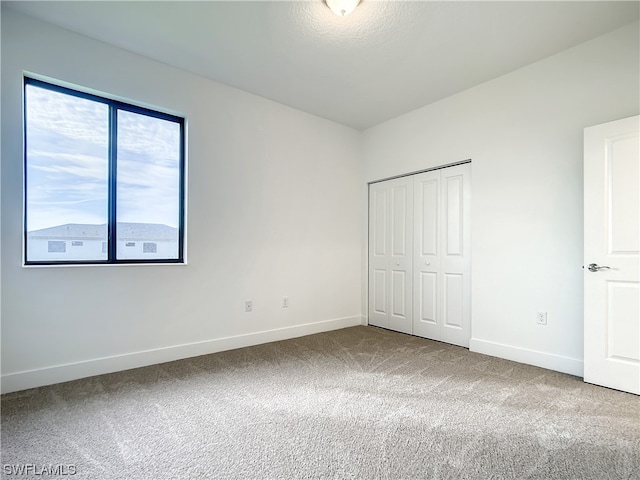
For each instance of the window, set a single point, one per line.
(56, 246)
(149, 247)
(104, 173)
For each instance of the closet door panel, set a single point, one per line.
(379, 222)
(428, 299)
(454, 214)
(400, 318)
(428, 207)
(426, 266)
(455, 260)
(390, 254)
(379, 292)
(453, 301)
(399, 293)
(401, 221)
(379, 239)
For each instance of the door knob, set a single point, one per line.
(594, 267)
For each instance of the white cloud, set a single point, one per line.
(52, 216)
(83, 166)
(153, 137)
(67, 115)
(67, 167)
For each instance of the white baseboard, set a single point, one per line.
(549, 361)
(13, 382)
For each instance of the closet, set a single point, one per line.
(419, 254)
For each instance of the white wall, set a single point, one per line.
(523, 132)
(273, 210)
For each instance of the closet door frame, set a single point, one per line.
(447, 256)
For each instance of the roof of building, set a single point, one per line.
(125, 231)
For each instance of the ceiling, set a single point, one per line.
(383, 60)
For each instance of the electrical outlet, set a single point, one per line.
(285, 302)
(248, 306)
(541, 318)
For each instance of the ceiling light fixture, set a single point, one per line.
(342, 8)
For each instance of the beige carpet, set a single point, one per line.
(355, 403)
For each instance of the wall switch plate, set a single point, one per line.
(541, 318)
(285, 302)
(248, 306)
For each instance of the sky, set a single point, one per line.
(67, 162)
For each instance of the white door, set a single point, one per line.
(442, 261)
(427, 307)
(391, 254)
(612, 255)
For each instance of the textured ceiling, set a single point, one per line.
(383, 60)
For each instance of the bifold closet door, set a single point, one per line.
(442, 263)
(391, 254)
